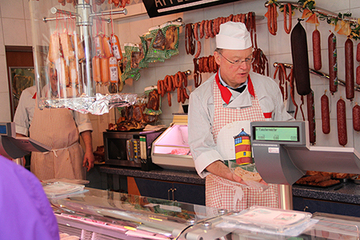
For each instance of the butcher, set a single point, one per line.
(58, 128)
(220, 109)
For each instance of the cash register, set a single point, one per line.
(13, 147)
(282, 152)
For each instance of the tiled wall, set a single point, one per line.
(277, 49)
(15, 30)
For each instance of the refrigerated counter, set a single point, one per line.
(171, 149)
(100, 214)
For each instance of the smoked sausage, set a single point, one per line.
(169, 99)
(287, 8)
(358, 52)
(78, 46)
(349, 69)
(73, 72)
(300, 59)
(358, 75)
(201, 29)
(96, 69)
(333, 79)
(107, 47)
(115, 45)
(99, 48)
(113, 70)
(311, 117)
(325, 114)
(105, 70)
(316, 49)
(341, 122)
(356, 117)
(54, 47)
(67, 49)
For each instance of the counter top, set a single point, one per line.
(158, 174)
(346, 192)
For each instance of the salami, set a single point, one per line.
(325, 114)
(349, 69)
(300, 59)
(333, 80)
(316, 49)
(311, 117)
(341, 122)
(356, 117)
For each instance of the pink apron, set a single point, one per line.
(225, 194)
(56, 128)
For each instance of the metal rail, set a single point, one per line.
(320, 11)
(319, 74)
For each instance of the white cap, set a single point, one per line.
(234, 36)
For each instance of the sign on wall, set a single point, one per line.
(157, 8)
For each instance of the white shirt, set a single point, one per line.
(201, 115)
(25, 113)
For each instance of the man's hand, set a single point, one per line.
(220, 169)
(88, 160)
(89, 155)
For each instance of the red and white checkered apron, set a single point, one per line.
(225, 194)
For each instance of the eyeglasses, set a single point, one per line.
(247, 60)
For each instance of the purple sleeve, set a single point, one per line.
(25, 210)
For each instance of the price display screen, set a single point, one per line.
(281, 134)
(3, 130)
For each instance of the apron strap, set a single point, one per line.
(58, 149)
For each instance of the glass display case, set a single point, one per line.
(77, 55)
(171, 149)
(100, 214)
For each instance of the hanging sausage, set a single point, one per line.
(300, 59)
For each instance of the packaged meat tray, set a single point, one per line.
(272, 219)
(57, 189)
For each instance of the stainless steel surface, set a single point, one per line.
(110, 214)
(285, 197)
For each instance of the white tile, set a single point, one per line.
(2, 47)
(4, 81)
(12, 9)
(28, 32)
(5, 115)
(333, 5)
(193, 16)
(354, 4)
(275, 46)
(14, 31)
(26, 9)
(223, 10)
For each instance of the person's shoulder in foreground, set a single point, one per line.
(25, 210)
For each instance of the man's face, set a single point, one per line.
(235, 73)
(53, 78)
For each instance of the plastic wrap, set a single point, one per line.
(67, 39)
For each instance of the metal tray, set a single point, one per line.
(356, 179)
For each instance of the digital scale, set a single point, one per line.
(282, 152)
(14, 147)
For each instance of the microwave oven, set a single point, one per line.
(129, 148)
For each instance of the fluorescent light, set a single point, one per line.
(186, 5)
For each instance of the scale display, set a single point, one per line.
(3, 130)
(275, 133)
(7, 129)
